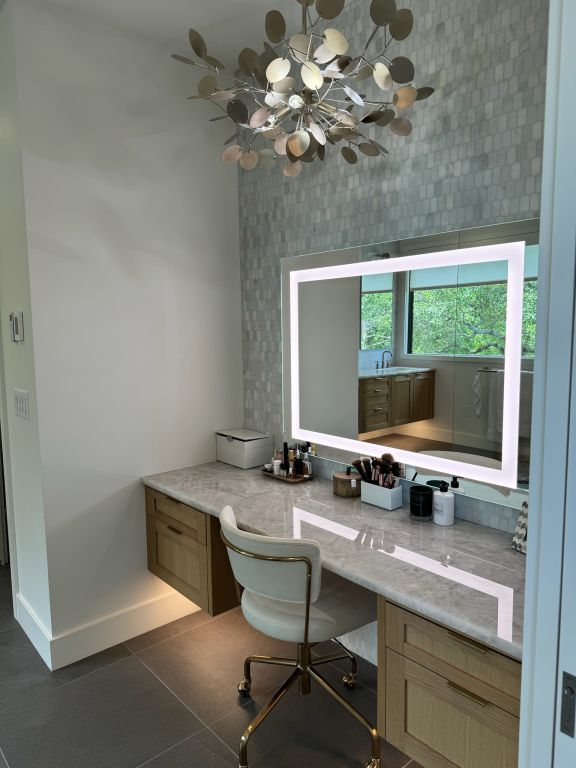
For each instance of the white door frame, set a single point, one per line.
(552, 390)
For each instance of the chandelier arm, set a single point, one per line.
(372, 36)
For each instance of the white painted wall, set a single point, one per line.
(134, 266)
(20, 438)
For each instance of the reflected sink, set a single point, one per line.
(393, 370)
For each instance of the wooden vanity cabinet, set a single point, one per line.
(423, 392)
(374, 404)
(402, 399)
(185, 550)
(445, 700)
(391, 400)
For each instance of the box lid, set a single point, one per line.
(245, 435)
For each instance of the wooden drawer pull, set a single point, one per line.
(376, 391)
(467, 694)
(377, 410)
(175, 530)
(467, 642)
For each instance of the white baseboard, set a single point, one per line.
(38, 634)
(62, 649)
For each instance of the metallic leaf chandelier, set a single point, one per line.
(302, 92)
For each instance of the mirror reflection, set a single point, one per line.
(415, 359)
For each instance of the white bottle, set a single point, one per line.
(443, 506)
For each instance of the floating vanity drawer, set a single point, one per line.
(373, 387)
(178, 560)
(376, 418)
(376, 401)
(193, 521)
(465, 662)
(185, 550)
(442, 724)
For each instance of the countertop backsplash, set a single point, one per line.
(488, 513)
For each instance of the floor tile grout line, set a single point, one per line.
(165, 751)
(200, 720)
(66, 684)
(4, 758)
(179, 634)
(221, 740)
(204, 723)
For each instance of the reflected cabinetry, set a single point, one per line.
(393, 400)
(444, 699)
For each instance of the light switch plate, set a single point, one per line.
(17, 326)
(22, 404)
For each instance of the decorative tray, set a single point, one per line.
(292, 480)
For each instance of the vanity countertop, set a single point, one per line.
(466, 577)
(392, 371)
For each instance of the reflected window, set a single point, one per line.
(455, 311)
(376, 312)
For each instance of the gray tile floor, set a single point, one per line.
(168, 699)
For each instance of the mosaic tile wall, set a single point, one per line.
(474, 158)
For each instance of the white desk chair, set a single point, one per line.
(287, 596)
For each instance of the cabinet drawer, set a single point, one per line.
(473, 666)
(375, 388)
(169, 510)
(377, 401)
(376, 419)
(178, 560)
(443, 725)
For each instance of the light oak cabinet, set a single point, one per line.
(392, 400)
(185, 550)
(444, 699)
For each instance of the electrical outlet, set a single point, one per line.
(466, 411)
(22, 404)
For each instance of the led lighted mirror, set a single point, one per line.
(325, 322)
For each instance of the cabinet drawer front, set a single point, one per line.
(377, 401)
(178, 560)
(379, 420)
(193, 520)
(442, 725)
(372, 388)
(487, 673)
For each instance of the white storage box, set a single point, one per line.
(387, 498)
(243, 448)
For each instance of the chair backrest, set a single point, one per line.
(279, 580)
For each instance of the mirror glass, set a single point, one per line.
(413, 359)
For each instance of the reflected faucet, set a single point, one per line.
(386, 360)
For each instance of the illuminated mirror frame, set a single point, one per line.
(513, 254)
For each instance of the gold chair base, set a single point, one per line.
(304, 671)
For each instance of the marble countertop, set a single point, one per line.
(392, 371)
(466, 577)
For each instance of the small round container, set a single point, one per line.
(345, 485)
(421, 497)
(276, 466)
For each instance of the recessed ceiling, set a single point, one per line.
(227, 25)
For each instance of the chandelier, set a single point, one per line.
(303, 92)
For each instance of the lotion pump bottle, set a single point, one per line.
(443, 505)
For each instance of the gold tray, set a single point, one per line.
(293, 480)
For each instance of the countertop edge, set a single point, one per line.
(513, 650)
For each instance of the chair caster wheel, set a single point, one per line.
(349, 681)
(244, 687)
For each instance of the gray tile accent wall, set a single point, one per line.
(474, 158)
